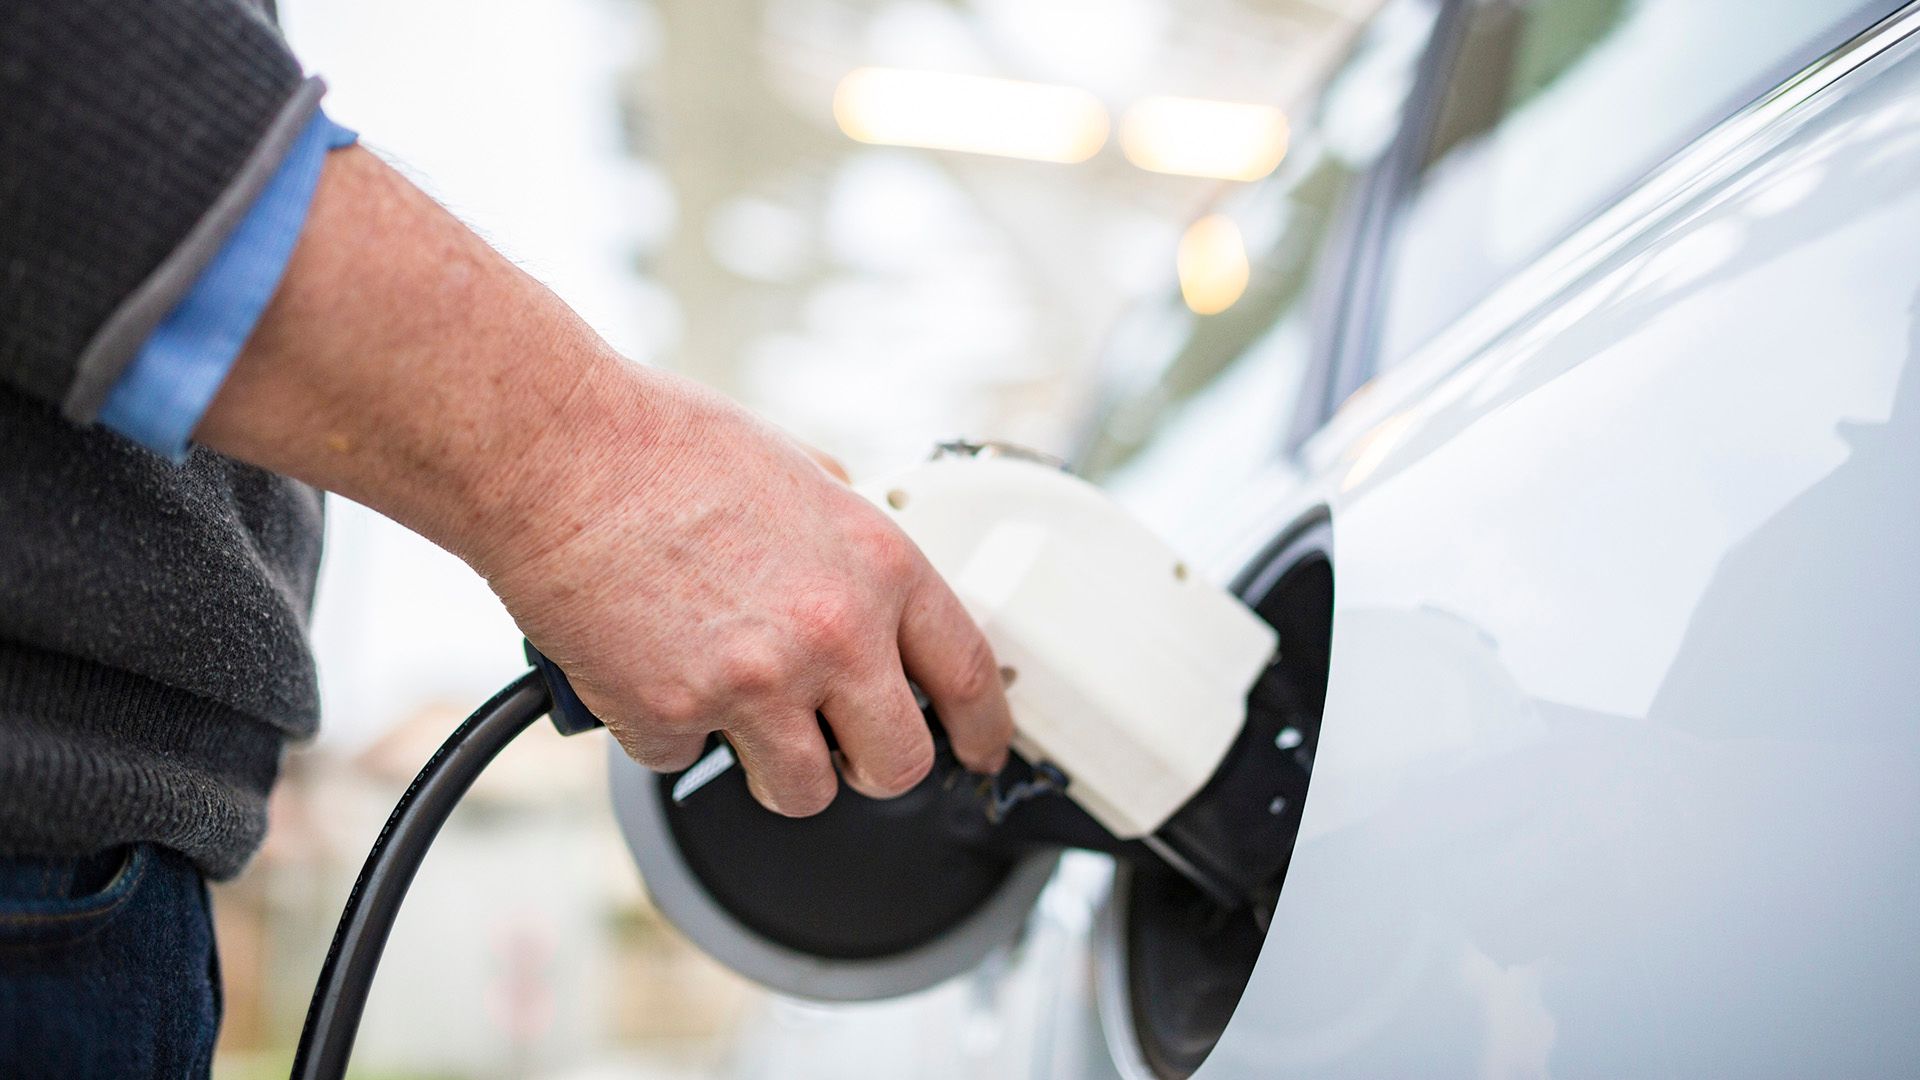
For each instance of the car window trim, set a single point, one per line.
(1343, 313)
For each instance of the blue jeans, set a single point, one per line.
(107, 967)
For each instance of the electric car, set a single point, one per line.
(1568, 431)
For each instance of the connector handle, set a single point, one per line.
(569, 714)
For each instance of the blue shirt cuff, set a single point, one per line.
(162, 395)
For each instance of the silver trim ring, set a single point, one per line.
(1112, 997)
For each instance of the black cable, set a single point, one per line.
(333, 1017)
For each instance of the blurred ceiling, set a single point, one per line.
(873, 298)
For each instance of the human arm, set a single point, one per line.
(686, 564)
(691, 568)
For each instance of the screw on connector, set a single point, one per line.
(994, 448)
(1046, 780)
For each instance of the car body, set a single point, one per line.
(1620, 755)
(1581, 344)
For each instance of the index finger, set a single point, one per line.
(948, 656)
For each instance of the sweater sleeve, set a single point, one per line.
(134, 137)
(175, 374)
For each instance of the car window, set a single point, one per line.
(1223, 387)
(1553, 108)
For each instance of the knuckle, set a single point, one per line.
(807, 792)
(829, 622)
(750, 669)
(810, 800)
(905, 770)
(889, 555)
(677, 708)
(975, 676)
(787, 765)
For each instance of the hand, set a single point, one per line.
(689, 567)
(828, 462)
(715, 577)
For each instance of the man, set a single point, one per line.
(211, 299)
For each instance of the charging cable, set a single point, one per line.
(339, 999)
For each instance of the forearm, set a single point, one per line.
(405, 364)
(689, 567)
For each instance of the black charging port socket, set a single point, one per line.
(1184, 957)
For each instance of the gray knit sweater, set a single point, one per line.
(153, 654)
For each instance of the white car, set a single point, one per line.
(1569, 432)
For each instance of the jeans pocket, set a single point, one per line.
(29, 917)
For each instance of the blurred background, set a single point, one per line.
(880, 223)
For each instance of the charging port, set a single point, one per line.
(1178, 960)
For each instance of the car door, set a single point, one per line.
(1621, 743)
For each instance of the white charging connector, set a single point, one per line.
(1127, 671)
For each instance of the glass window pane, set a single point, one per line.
(1223, 387)
(1553, 109)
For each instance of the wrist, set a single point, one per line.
(405, 365)
(587, 452)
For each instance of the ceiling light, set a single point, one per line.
(1227, 140)
(1212, 261)
(970, 113)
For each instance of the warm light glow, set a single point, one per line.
(1193, 137)
(970, 113)
(1373, 448)
(1213, 265)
